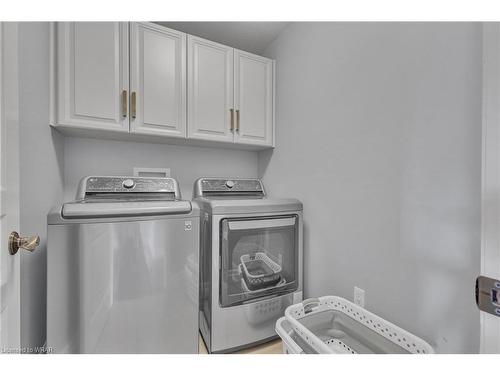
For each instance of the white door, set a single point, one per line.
(253, 99)
(490, 220)
(210, 90)
(9, 189)
(92, 75)
(157, 80)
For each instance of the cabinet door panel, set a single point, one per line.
(210, 90)
(158, 79)
(92, 72)
(253, 98)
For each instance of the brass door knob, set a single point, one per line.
(17, 242)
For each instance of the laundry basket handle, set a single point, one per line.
(309, 303)
(286, 337)
(318, 346)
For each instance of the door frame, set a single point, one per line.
(490, 180)
(10, 327)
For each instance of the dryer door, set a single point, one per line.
(259, 258)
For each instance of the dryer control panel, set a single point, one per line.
(228, 186)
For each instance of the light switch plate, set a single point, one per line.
(359, 296)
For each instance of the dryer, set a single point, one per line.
(251, 261)
(122, 269)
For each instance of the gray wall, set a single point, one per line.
(379, 133)
(41, 177)
(90, 156)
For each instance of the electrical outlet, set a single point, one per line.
(359, 296)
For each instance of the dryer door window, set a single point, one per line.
(259, 257)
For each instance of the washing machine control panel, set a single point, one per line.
(109, 184)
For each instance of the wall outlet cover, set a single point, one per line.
(151, 172)
(359, 296)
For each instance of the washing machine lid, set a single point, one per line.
(76, 210)
(113, 196)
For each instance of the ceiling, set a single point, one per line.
(248, 36)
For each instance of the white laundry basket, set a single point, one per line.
(292, 343)
(334, 325)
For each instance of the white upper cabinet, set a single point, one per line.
(210, 90)
(151, 83)
(157, 80)
(253, 99)
(91, 75)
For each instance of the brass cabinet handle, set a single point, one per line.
(124, 103)
(133, 106)
(232, 119)
(237, 120)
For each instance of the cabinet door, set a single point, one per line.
(92, 75)
(253, 85)
(157, 80)
(210, 90)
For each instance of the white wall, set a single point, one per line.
(102, 157)
(41, 180)
(379, 134)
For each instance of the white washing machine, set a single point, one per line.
(251, 261)
(122, 269)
